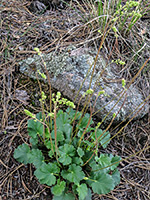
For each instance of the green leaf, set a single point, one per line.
(104, 140)
(59, 188)
(89, 195)
(48, 146)
(108, 159)
(77, 160)
(103, 184)
(116, 176)
(74, 174)
(64, 196)
(80, 132)
(74, 142)
(88, 155)
(114, 160)
(47, 143)
(35, 127)
(34, 141)
(99, 132)
(66, 152)
(104, 160)
(22, 154)
(71, 113)
(45, 173)
(62, 118)
(47, 135)
(51, 154)
(96, 168)
(84, 122)
(67, 130)
(80, 152)
(36, 157)
(39, 116)
(82, 191)
(60, 136)
(104, 137)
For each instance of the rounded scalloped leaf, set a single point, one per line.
(45, 173)
(59, 188)
(60, 135)
(62, 118)
(22, 154)
(34, 141)
(82, 191)
(116, 176)
(35, 128)
(77, 161)
(80, 152)
(64, 196)
(89, 195)
(74, 174)
(84, 122)
(36, 157)
(104, 160)
(103, 184)
(39, 116)
(67, 130)
(66, 153)
(115, 161)
(105, 139)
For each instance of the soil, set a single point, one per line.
(21, 30)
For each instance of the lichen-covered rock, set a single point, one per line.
(70, 70)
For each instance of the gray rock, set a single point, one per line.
(68, 70)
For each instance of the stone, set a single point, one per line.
(70, 68)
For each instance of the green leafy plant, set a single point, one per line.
(65, 149)
(64, 158)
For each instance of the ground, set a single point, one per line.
(21, 31)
